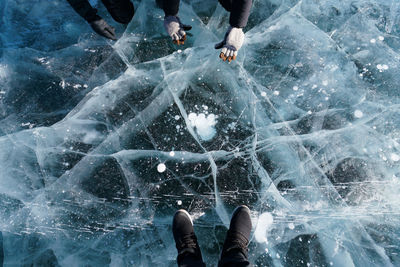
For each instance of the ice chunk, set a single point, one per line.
(264, 223)
(358, 114)
(161, 167)
(204, 125)
(395, 157)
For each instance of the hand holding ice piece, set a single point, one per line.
(176, 29)
(102, 28)
(231, 44)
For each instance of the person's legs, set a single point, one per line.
(189, 253)
(122, 11)
(234, 251)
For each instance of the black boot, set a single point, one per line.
(235, 249)
(189, 253)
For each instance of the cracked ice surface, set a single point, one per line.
(98, 147)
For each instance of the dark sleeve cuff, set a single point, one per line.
(92, 16)
(240, 13)
(84, 9)
(170, 7)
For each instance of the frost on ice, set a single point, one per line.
(308, 131)
(204, 125)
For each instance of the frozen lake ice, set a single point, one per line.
(101, 141)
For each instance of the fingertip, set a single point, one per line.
(224, 50)
(181, 33)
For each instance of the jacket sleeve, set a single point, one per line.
(170, 7)
(240, 13)
(84, 9)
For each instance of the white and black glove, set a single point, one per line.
(101, 27)
(176, 29)
(231, 44)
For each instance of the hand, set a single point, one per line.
(102, 28)
(231, 44)
(176, 29)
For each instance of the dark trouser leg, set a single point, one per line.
(233, 259)
(122, 11)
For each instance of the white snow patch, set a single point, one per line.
(62, 84)
(382, 67)
(161, 168)
(358, 113)
(264, 222)
(203, 124)
(395, 157)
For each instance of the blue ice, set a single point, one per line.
(303, 127)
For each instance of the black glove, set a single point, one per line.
(102, 28)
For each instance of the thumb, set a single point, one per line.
(186, 27)
(219, 45)
(111, 32)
